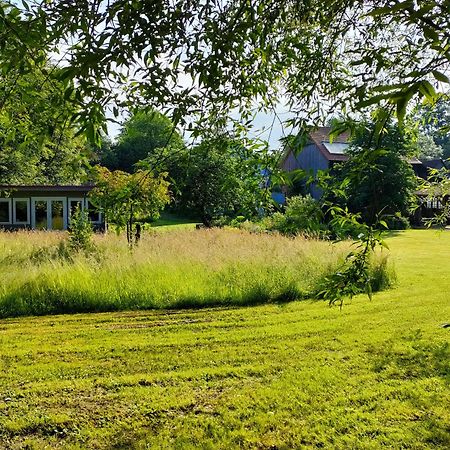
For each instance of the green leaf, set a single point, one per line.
(440, 76)
(427, 90)
(401, 108)
(373, 100)
(431, 34)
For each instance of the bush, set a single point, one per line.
(344, 229)
(397, 222)
(80, 232)
(253, 227)
(302, 215)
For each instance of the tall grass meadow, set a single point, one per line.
(177, 269)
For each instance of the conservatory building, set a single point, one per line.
(45, 207)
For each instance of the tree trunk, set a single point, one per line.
(130, 237)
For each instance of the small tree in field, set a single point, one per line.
(80, 231)
(125, 198)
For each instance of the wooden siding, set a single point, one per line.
(310, 159)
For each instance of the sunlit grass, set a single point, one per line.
(169, 221)
(373, 375)
(183, 268)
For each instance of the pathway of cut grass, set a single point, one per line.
(302, 375)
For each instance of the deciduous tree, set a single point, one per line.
(213, 55)
(125, 198)
(223, 177)
(38, 143)
(145, 135)
(378, 180)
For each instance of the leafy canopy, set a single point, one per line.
(145, 135)
(434, 124)
(222, 177)
(38, 144)
(378, 179)
(215, 55)
(125, 198)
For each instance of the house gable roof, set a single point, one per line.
(321, 136)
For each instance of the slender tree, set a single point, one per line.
(125, 198)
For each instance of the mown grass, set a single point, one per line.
(183, 268)
(298, 375)
(170, 221)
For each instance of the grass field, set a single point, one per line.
(169, 221)
(180, 268)
(299, 375)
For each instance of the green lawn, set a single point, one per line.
(298, 375)
(173, 221)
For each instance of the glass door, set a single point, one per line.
(49, 214)
(57, 208)
(40, 215)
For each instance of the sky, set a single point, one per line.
(265, 126)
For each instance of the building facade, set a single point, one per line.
(318, 154)
(45, 207)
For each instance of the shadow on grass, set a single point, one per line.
(30, 301)
(393, 233)
(415, 359)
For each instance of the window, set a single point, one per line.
(49, 213)
(21, 210)
(74, 204)
(5, 210)
(93, 214)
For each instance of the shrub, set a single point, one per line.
(253, 227)
(302, 215)
(344, 229)
(80, 232)
(397, 222)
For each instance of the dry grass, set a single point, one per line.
(184, 268)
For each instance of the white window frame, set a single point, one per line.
(99, 212)
(49, 211)
(18, 199)
(7, 200)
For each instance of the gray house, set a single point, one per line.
(45, 207)
(318, 154)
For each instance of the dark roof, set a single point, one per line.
(322, 135)
(318, 137)
(436, 163)
(46, 188)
